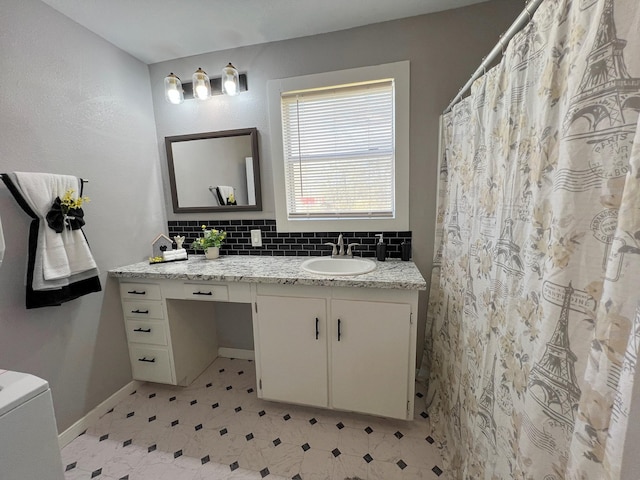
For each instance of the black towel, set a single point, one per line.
(221, 199)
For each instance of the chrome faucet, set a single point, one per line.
(338, 248)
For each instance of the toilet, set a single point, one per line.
(28, 433)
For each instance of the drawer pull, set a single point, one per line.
(339, 332)
(148, 330)
(145, 359)
(140, 311)
(135, 292)
(317, 328)
(203, 293)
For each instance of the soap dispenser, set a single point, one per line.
(381, 249)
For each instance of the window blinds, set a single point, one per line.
(339, 151)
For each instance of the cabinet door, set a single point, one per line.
(370, 359)
(292, 338)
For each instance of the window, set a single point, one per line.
(340, 149)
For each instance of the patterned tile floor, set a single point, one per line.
(218, 429)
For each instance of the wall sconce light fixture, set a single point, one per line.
(202, 87)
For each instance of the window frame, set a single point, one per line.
(399, 71)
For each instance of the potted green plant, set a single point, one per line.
(210, 242)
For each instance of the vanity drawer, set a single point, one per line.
(139, 331)
(203, 291)
(142, 310)
(150, 364)
(149, 291)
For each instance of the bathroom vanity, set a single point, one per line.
(342, 342)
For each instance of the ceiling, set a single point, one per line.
(158, 30)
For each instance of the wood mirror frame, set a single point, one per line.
(175, 182)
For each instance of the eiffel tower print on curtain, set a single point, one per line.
(627, 372)
(633, 350)
(604, 111)
(507, 253)
(444, 328)
(453, 228)
(552, 381)
(487, 423)
(528, 48)
(470, 300)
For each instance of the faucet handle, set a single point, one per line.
(334, 250)
(349, 250)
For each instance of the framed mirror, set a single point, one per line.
(215, 171)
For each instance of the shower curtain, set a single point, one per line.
(534, 311)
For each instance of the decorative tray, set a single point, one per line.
(153, 262)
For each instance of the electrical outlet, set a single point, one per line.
(256, 238)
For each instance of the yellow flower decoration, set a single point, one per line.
(68, 202)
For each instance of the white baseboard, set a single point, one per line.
(236, 353)
(81, 425)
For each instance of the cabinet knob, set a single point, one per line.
(339, 332)
(317, 327)
(145, 359)
(148, 330)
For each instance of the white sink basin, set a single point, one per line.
(338, 266)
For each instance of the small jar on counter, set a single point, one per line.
(405, 251)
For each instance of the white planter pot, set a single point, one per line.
(212, 252)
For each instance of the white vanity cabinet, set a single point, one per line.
(340, 343)
(342, 348)
(171, 326)
(147, 332)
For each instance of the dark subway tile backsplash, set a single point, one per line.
(286, 243)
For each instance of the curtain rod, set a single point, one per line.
(505, 38)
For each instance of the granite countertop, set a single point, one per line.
(394, 274)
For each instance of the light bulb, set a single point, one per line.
(173, 96)
(201, 91)
(230, 80)
(230, 87)
(201, 85)
(173, 89)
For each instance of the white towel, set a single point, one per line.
(174, 254)
(225, 192)
(59, 256)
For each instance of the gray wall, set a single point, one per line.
(444, 49)
(74, 104)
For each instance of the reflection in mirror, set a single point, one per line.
(215, 171)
